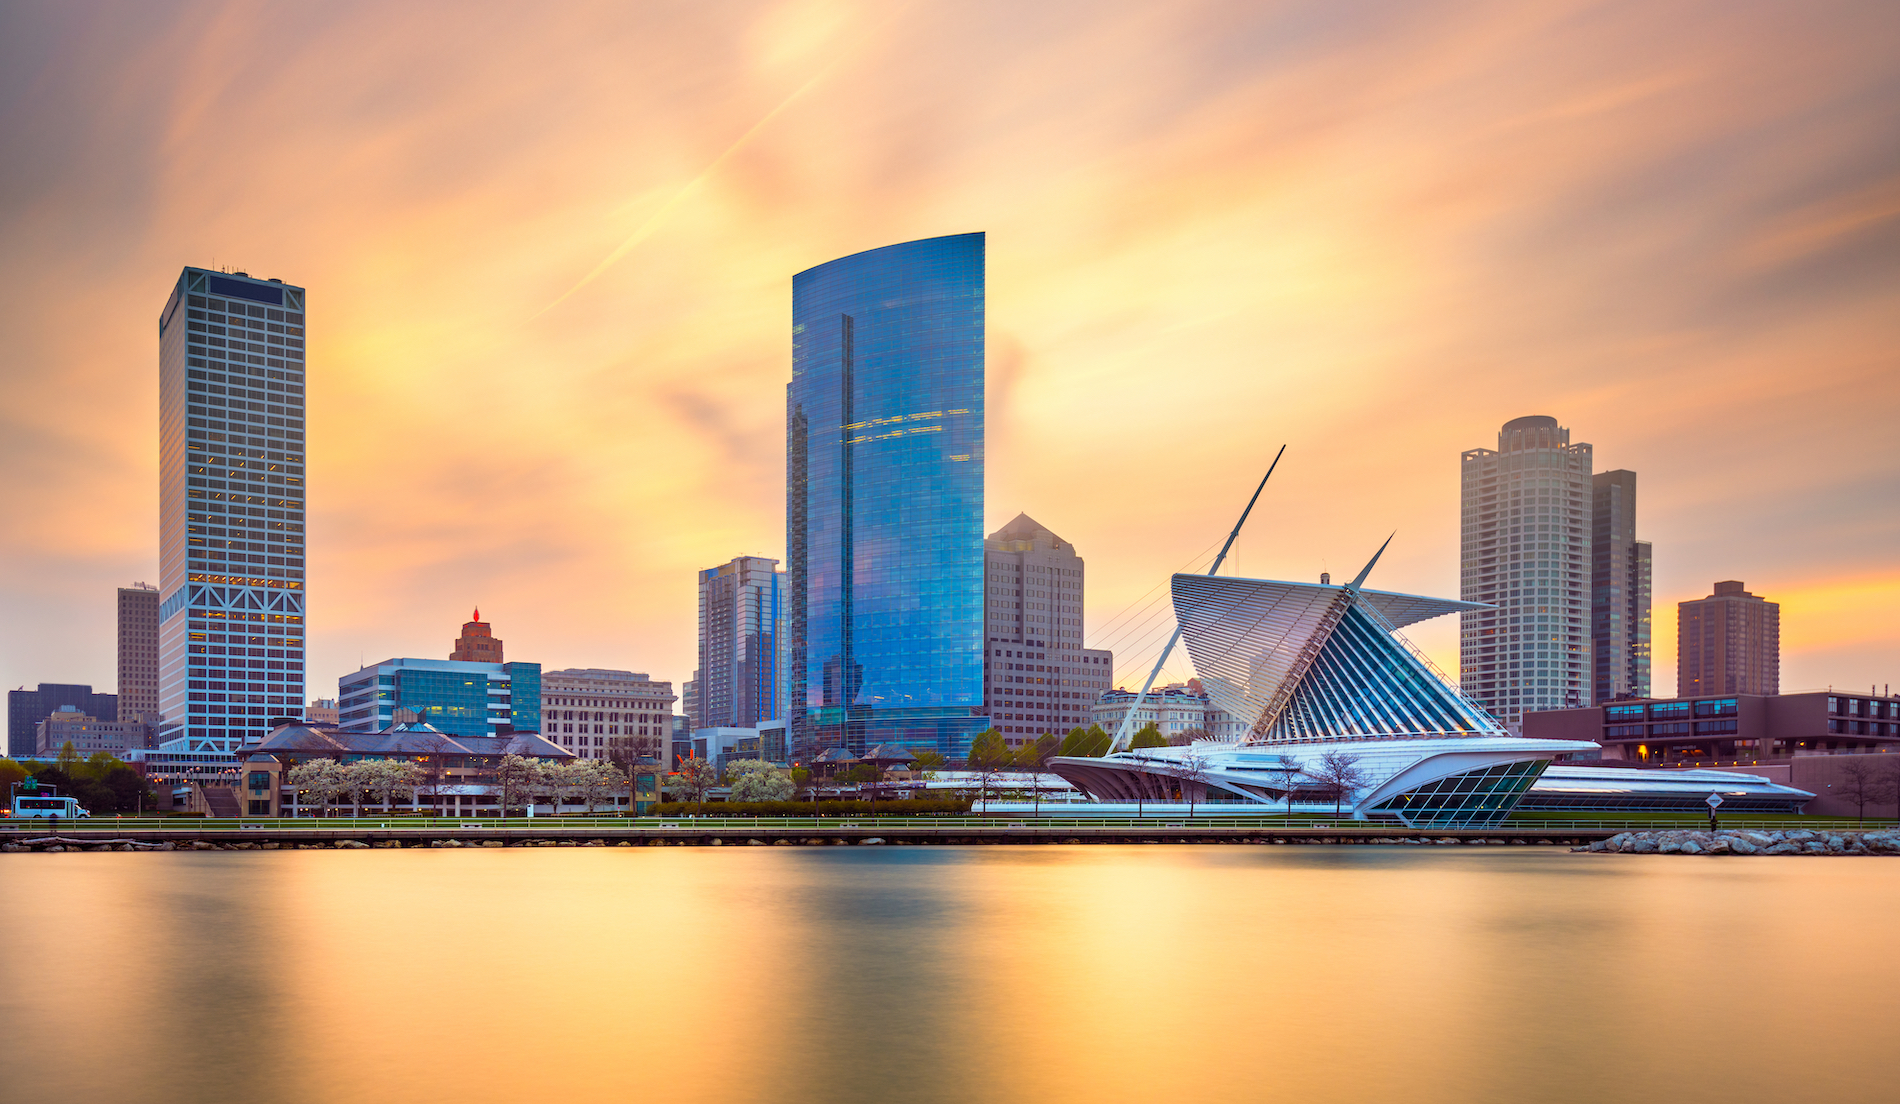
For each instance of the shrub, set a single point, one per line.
(915, 807)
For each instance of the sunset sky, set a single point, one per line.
(549, 252)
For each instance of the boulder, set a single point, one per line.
(350, 845)
(870, 841)
(1785, 847)
(1799, 835)
(755, 843)
(1739, 845)
(13, 848)
(491, 843)
(203, 845)
(1644, 846)
(1448, 840)
(1718, 847)
(1673, 846)
(1691, 847)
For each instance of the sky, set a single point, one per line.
(549, 254)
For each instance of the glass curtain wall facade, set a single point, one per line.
(456, 696)
(884, 500)
(740, 621)
(231, 506)
(1619, 590)
(1526, 542)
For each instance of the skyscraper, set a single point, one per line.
(138, 652)
(231, 505)
(1728, 643)
(740, 618)
(1619, 590)
(478, 642)
(884, 499)
(1037, 675)
(1526, 521)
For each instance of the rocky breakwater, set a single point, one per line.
(1799, 841)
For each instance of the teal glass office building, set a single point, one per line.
(884, 500)
(460, 697)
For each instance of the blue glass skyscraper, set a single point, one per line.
(884, 499)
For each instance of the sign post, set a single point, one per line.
(1715, 802)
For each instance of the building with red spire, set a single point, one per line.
(477, 643)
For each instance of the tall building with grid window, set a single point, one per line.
(1619, 590)
(138, 653)
(884, 500)
(1728, 643)
(231, 506)
(741, 617)
(1037, 676)
(1527, 516)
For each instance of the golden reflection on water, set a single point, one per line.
(945, 974)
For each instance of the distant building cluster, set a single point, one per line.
(894, 626)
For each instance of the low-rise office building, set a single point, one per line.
(88, 734)
(1180, 709)
(458, 772)
(459, 697)
(27, 708)
(1728, 729)
(596, 712)
(723, 745)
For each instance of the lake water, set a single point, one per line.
(1045, 974)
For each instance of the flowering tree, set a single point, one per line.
(324, 779)
(515, 778)
(758, 780)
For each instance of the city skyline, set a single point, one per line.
(1551, 237)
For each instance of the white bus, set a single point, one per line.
(31, 807)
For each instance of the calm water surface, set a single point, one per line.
(947, 974)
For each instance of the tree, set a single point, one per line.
(1194, 772)
(559, 781)
(1091, 742)
(1149, 737)
(385, 779)
(988, 755)
(515, 777)
(1339, 772)
(927, 761)
(68, 757)
(1187, 736)
(597, 781)
(323, 778)
(10, 772)
(1862, 782)
(758, 780)
(694, 778)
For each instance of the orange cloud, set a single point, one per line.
(1371, 233)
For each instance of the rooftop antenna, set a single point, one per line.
(1128, 720)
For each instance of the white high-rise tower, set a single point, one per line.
(231, 506)
(1526, 528)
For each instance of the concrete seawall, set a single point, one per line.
(686, 834)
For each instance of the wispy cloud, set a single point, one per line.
(1374, 231)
